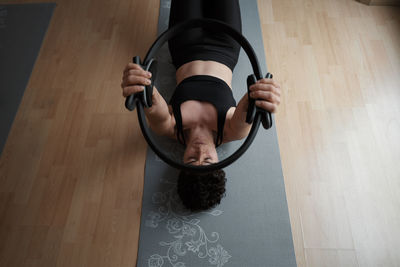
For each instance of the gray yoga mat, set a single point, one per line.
(251, 225)
(22, 29)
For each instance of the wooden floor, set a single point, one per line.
(72, 169)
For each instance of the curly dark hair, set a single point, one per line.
(201, 191)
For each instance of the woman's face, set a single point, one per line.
(200, 153)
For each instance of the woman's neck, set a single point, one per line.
(199, 134)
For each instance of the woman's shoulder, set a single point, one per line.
(229, 132)
(172, 125)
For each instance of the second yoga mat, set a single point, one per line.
(22, 30)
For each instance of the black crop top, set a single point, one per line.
(203, 88)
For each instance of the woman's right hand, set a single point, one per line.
(133, 79)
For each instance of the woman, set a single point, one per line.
(202, 113)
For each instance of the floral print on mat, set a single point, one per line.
(187, 235)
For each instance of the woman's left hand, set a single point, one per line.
(267, 94)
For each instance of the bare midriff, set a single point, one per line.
(201, 67)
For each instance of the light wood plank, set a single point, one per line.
(338, 127)
(331, 258)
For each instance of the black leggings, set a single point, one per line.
(199, 44)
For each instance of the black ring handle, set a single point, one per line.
(266, 117)
(212, 25)
(147, 94)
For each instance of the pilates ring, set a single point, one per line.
(142, 99)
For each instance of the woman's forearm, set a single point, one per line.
(238, 124)
(266, 93)
(158, 116)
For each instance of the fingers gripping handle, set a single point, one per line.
(251, 109)
(266, 117)
(146, 95)
(130, 103)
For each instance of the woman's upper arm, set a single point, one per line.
(165, 127)
(230, 133)
(169, 127)
(235, 126)
(159, 116)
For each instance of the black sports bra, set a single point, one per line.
(203, 88)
